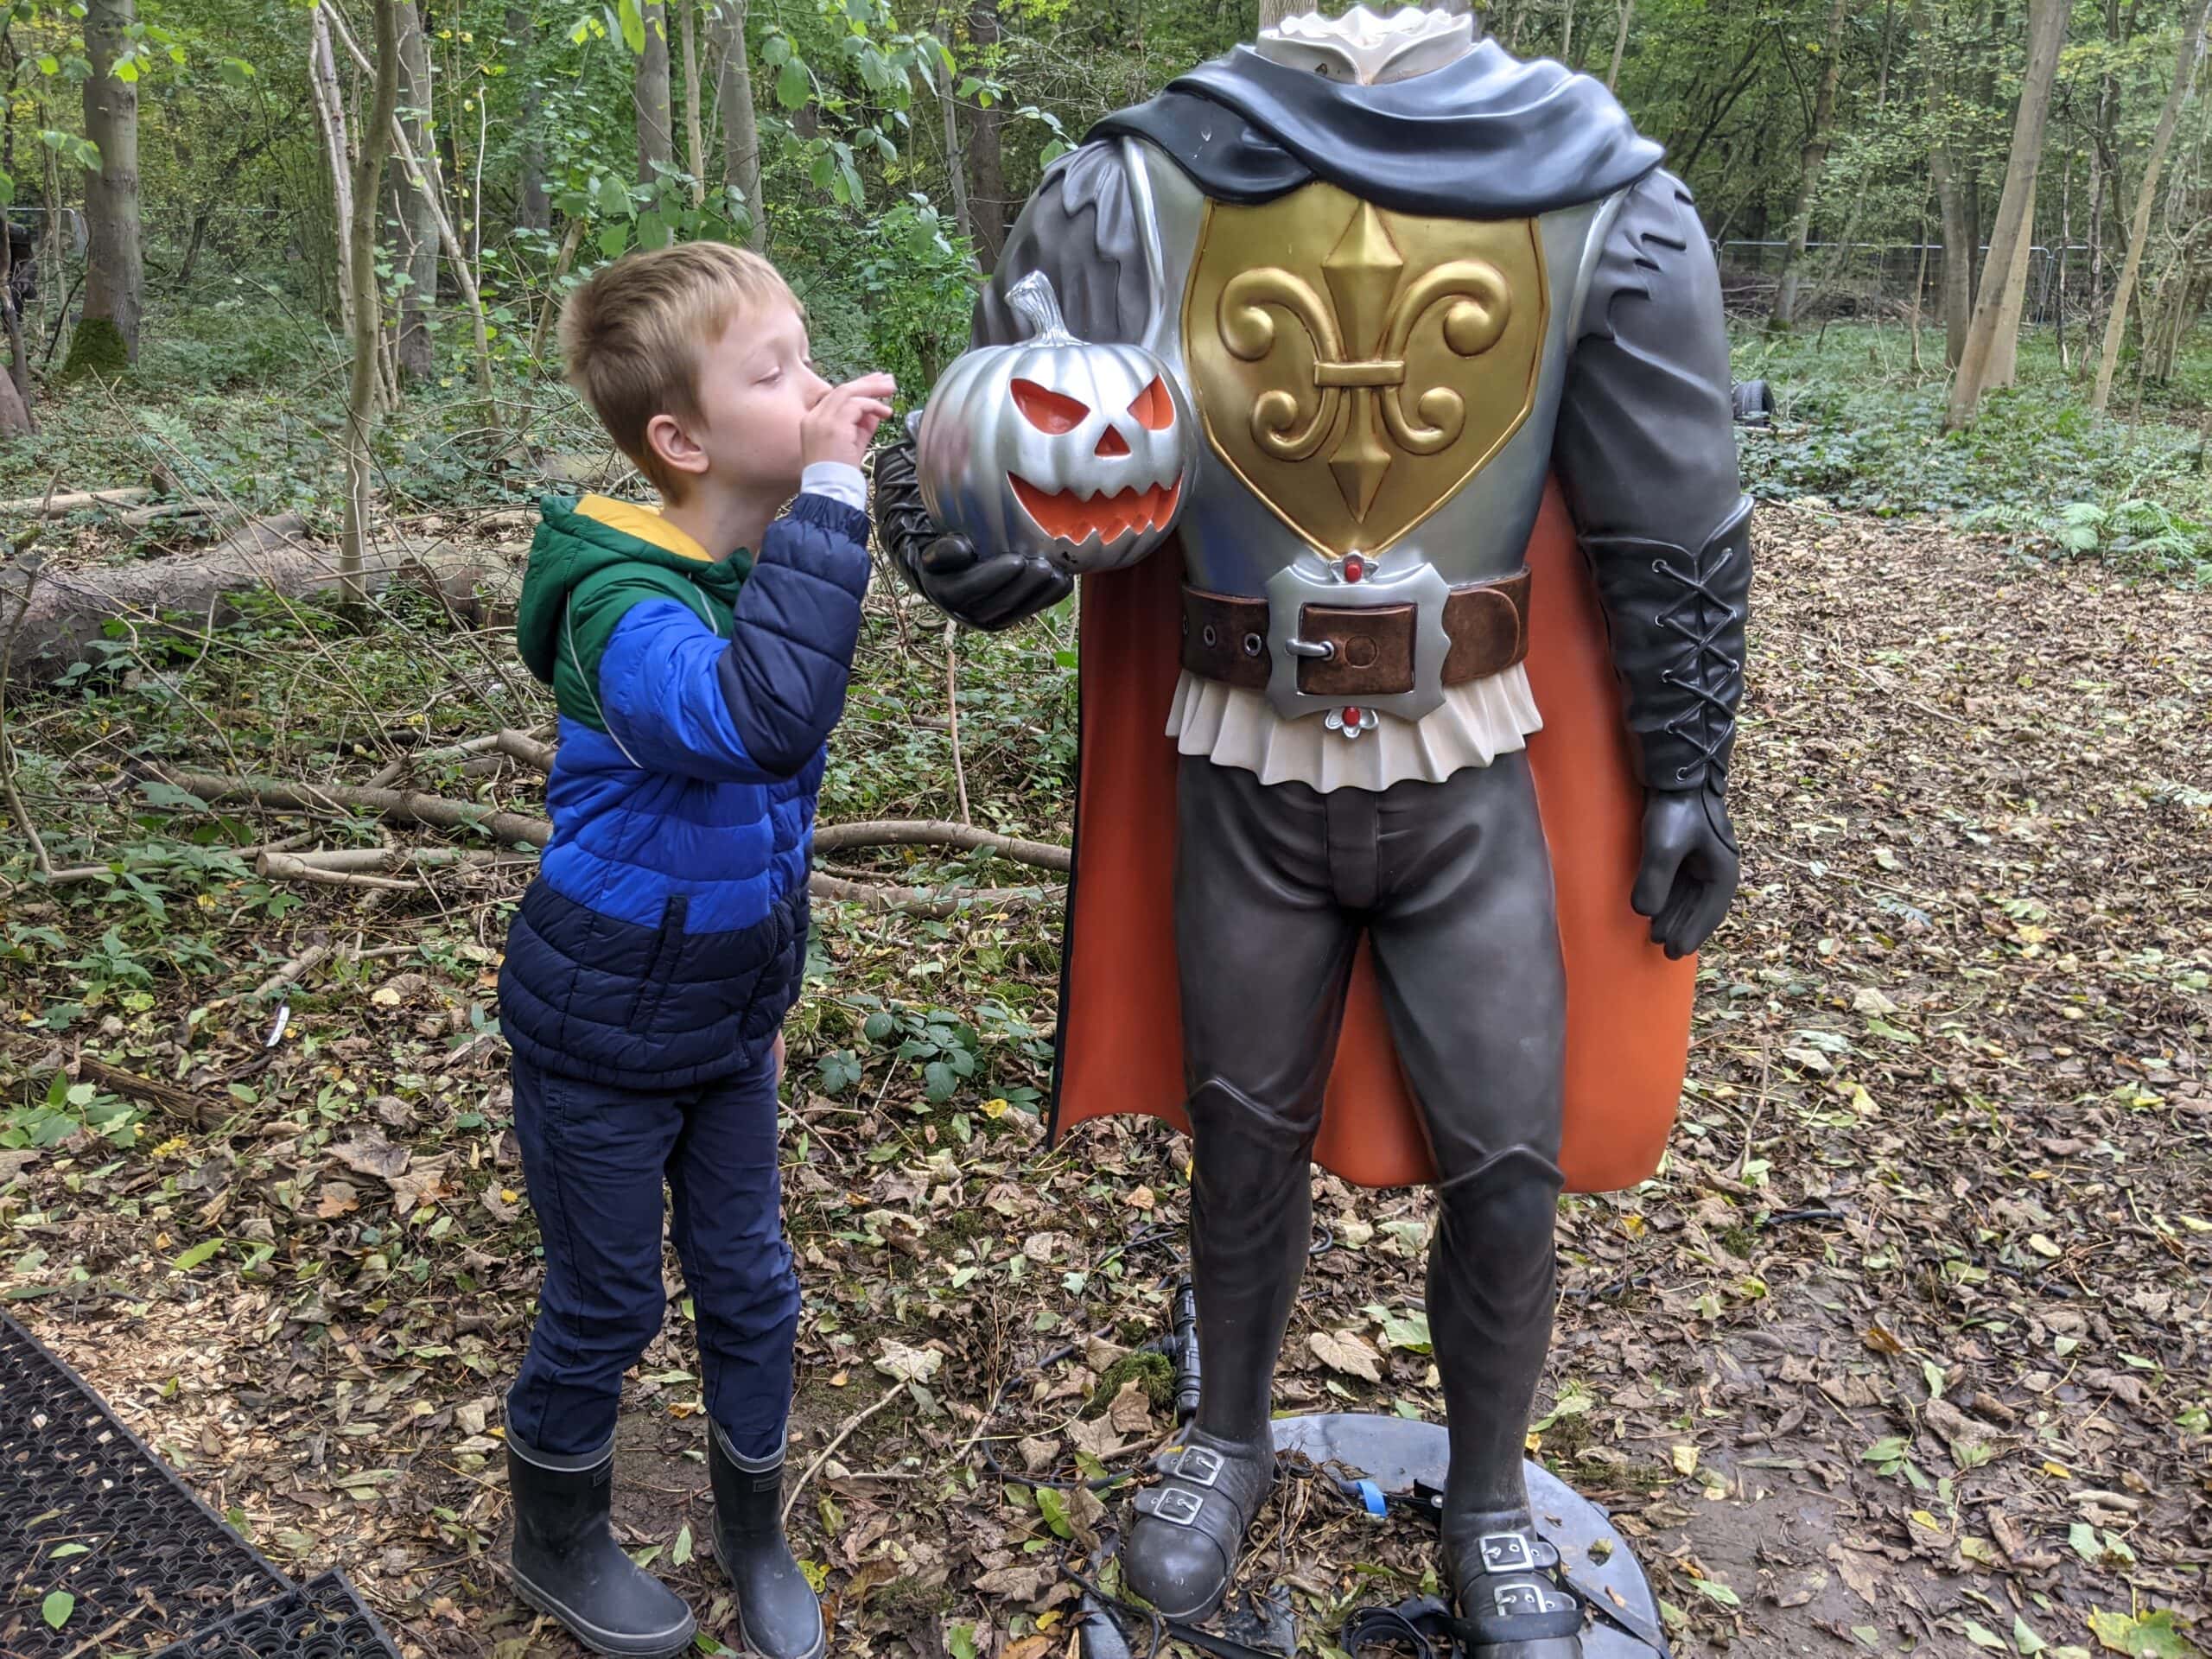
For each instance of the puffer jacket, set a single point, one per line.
(663, 940)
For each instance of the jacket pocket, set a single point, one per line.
(668, 943)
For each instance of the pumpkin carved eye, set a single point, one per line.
(1046, 410)
(1154, 410)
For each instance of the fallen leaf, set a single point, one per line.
(907, 1365)
(1131, 1412)
(1098, 1437)
(1685, 1458)
(1343, 1351)
(336, 1199)
(370, 1153)
(1018, 1583)
(1868, 1000)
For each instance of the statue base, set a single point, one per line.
(1401, 1456)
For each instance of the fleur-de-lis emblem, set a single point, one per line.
(1359, 351)
(1402, 350)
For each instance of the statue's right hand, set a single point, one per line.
(985, 590)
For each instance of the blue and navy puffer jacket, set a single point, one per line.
(664, 937)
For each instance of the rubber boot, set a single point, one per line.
(1251, 1225)
(1491, 1267)
(778, 1616)
(564, 1561)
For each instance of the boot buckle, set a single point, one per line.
(1171, 1504)
(1507, 1552)
(1200, 1465)
(1513, 1598)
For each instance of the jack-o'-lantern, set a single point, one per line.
(1058, 447)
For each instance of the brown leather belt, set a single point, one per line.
(1225, 639)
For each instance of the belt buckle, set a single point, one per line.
(1507, 1552)
(1172, 1504)
(1307, 580)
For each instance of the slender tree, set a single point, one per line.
(695, 151)
(656, 128)
(2047, 21)
(532, 211)
(740, 123)
(987, 189)
(106, 340)
(1946, 172)
(2146, 196)
(372, 143)
(418, 217)
(1811, 161)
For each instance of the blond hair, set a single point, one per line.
(632, 337)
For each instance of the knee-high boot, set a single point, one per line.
(1251, 1225)
(1491, 1269)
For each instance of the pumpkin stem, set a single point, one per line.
(1032, 296)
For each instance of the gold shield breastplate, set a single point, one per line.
(1355, 367)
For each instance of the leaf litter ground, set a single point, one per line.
(1904, 1350)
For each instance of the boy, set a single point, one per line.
(699, 658)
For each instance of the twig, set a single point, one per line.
(844, 1433)
(290, 974)
(385, 860)
(284, 867)
(177, 1103)
(929, 832)
(953, 712)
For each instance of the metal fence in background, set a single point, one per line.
(1866, 279)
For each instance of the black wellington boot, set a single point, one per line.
(1251, 1224)
(778, 1616)
(565, 1562)
(1491, 1272)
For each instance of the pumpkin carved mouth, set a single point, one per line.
(1073, 519)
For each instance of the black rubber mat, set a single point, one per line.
(321, 1619)
(87, 1511)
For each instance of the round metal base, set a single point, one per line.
(1398, 1455)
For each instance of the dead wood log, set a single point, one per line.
(175, 1101)
(521, 745)
(70, 609)
(938, 903)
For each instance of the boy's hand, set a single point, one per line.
(841, 424)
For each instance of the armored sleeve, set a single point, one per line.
(1082, 229)
(1646, 454)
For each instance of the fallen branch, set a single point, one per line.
(404, 805)
(284, 866)
(289, 975)
(385, 860)
(180, 1103)
(938, 903)
(521, 745)
(54, 507)
(927, 832)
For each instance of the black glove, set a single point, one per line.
(985, 590)
(1689, 868)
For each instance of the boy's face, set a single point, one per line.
(756, 383)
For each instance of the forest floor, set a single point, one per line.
(1904, 1350)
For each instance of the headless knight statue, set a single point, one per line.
(1418, 293)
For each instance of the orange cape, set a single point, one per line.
(1628, 1011)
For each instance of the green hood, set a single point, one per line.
(591, 560)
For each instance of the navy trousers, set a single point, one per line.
(595, 1159)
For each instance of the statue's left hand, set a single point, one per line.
(1689, 869)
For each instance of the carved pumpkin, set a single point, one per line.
(1057, 447)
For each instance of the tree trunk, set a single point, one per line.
(1812, 159)
(656, 126)
(987, 147)
(16, 420)
(955, 166)
(375, 141)
(2015, 211)
(1273, 11)
(532, 211)
(740, 126)
(1620, 44)
(338, 149)
(2147, 194)
(2005, 352)
(694, 162)
(106, 340)
(1950, 197)
(419, 239)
